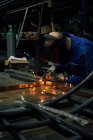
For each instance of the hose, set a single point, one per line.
(71, 92)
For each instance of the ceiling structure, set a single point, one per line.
(13, 11)
(15, 8)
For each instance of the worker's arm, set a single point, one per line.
(83, 71)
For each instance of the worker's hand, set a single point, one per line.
(61, 77)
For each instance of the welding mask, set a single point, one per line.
(48, 50)
(45, 52)
(63, 53)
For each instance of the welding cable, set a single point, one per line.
(82, 106)
(71, 92)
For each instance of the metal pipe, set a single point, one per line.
(72, 117)
(17, 135)
(22, 126)
(22, 27)
(55, 119)
(14, 112)
(82, 106)
(17, 10)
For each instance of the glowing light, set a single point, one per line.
(42, 92)
(33, 89)
(26, 85)
(41, 82)
(54, 92)
(20, 85)
(42, 100)
(31, 86)
(66, 78)
(48, 83)
(46, 87)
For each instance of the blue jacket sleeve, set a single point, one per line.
(83, 66)
(74, 79)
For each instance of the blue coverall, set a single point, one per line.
(81, 62)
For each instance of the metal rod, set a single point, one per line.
(22, 27)
(17, 135)
(14, 112)
(61, 121)
(69, 133)
(22, 126)
(77, 119)
(82, 106)
(17, 10)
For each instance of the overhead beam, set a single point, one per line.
(24, 8)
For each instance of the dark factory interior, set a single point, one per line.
(46, 69)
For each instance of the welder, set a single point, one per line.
(74, 55)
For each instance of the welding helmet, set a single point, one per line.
(55, 37)
(58, 41)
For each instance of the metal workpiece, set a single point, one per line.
(70, 116)
(59, 120)
(24, 111)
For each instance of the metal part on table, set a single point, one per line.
(57, 120)
(19, 125)
(79, 120)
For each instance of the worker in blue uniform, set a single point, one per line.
(75, 55)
